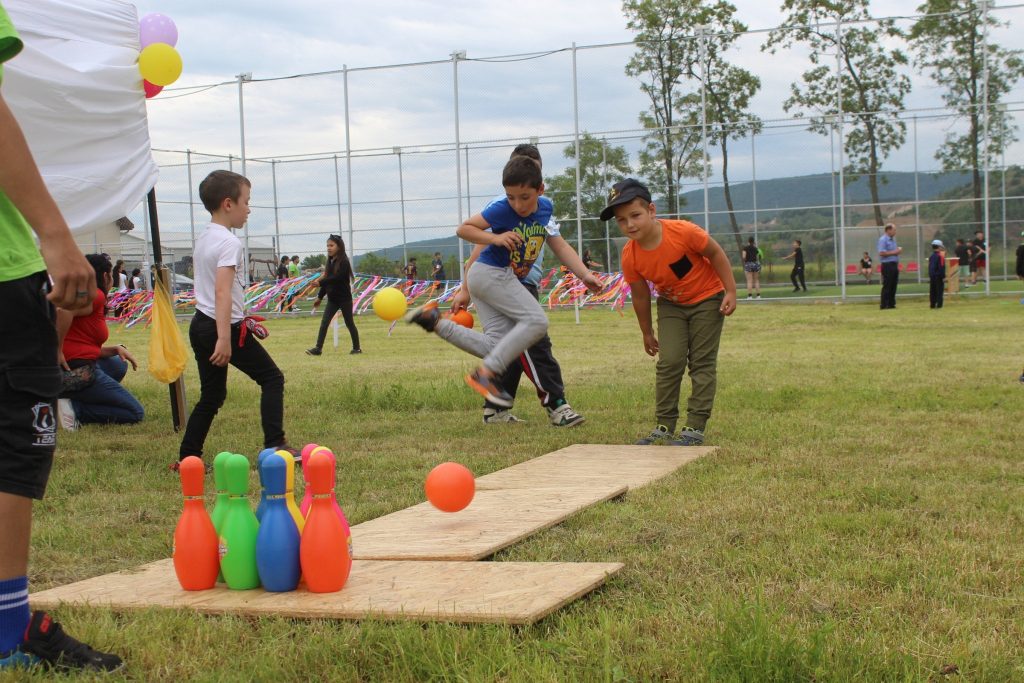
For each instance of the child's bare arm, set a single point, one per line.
(475, 230)
(641, 296)
(567, 255)
(222, 304)
(720, 262)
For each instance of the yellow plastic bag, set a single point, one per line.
(166, 347)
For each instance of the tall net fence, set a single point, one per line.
(392, 158)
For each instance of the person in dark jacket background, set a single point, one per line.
(336, 285)
(936, 273)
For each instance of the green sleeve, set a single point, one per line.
(10, 43)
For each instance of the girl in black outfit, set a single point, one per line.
(336, 284)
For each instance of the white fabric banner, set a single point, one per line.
(77, 93)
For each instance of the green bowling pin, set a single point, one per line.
(220, 506)
(238, 532)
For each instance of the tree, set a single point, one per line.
(869, 78)
(663, 37)
(374, 264)
(314, 262)
(601, 165)
(727, 90)
(950, 43)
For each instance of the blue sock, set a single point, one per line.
(14, 613)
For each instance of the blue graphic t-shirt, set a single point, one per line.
(534, 229)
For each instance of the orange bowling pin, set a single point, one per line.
(323, 551)
(195, 540)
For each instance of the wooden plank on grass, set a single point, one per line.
(484, 592)
(494, 520)
(583, 465)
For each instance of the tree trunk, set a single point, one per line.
(728, 193)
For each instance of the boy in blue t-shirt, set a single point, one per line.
(515, 229)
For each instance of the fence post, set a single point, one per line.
(842, 144)
(579, 181)
(456, 56)
(348, 169)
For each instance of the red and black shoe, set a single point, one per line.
(45, 639)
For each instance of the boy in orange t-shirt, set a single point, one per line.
(696, 290)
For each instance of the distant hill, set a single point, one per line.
(814, 192)
(794, 200)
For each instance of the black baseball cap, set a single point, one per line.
(624, 192)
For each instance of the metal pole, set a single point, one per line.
(242, 77)
(458, 159)
(842, 143)
(917, 206)
(337, 197)
(753, 180)
(348, 168)
(1002, 173)
(832, 183)
(191, 200)
(607, 236)
(579, 183)
(277, 217)
(702, 31)
(984, 4)
(401, 203)
(469, 197)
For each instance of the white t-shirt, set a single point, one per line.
(122, 282)
(215, 248)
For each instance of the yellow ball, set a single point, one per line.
(160, 64)
(389, 304)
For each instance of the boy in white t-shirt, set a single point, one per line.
(219, 332)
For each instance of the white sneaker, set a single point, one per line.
(493, 416)
(66, 413)
(565, 416)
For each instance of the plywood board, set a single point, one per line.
(584, 465)
(491, 592)
(494, 520)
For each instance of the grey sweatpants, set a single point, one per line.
(512, 319)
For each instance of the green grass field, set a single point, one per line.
(861, 521)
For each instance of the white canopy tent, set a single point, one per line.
(77, 94)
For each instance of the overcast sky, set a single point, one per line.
(412, 107)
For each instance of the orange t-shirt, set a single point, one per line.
(677, 268)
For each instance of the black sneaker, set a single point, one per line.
(295, 453)
(45, 639)
(355, 351)
(426, 316)
(659, 435)
(315, 351)
(176, 466)
(689, 436)
(489, 389)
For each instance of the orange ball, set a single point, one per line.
(464, 318)
(450, 487)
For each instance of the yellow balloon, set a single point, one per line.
(389, 303)
(160, 64)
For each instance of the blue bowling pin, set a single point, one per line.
(263, 490)
(277, 543)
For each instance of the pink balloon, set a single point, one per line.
(157, 28)
(151, 90)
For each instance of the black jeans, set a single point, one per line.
(935, 291)
(890, 278)
(540, 366)
(798, 273)
(254, 361)
(329, 312)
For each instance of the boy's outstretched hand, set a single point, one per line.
(593, 283)
(650, 344)
(728, 304)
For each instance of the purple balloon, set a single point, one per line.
(157, 28)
